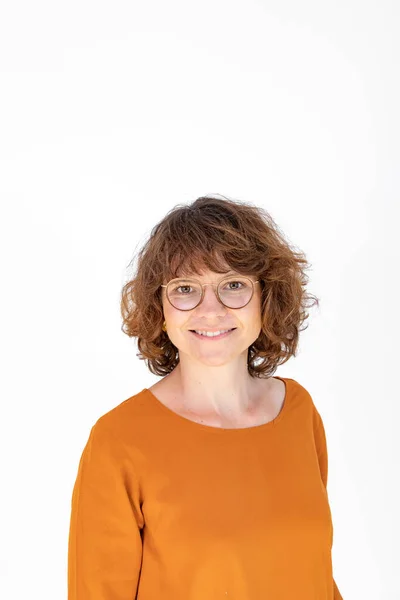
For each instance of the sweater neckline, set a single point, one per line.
(232, 431)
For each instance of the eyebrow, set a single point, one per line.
(225, 273)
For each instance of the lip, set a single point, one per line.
(212, 338)
(212, 330)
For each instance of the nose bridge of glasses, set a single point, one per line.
(213, 293)
(214, 284)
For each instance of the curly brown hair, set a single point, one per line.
(195, 236)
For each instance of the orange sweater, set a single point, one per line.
(164, 508)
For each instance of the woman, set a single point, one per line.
(211, 483)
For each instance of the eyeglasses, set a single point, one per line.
(232, 292)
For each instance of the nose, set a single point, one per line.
(210, 303)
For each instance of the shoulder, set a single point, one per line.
(125, 420)
(300, 397)
(297, 389)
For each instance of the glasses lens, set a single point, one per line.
(234, 292)
(184, 293)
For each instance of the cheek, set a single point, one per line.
(255, 321)
(254, 311)
(168, 310)
(250, 321)
(174, 318)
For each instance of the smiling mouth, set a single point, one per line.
(212, 337)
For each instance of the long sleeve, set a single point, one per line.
(322, 452)
(105, 544)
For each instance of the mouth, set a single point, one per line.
(213, 337)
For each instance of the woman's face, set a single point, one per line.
(211, 314)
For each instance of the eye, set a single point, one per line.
(180, 287)
(237, 285)
(234, 283)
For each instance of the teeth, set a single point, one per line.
(211, 333)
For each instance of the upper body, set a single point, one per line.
(212, 483)
(168, 507)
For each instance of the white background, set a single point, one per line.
(111, 114)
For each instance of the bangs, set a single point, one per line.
(188, 264)
(194, 242)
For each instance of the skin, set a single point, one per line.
(211, 379)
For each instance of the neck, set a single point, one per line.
(225, 390)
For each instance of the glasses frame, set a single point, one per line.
(216, 290)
